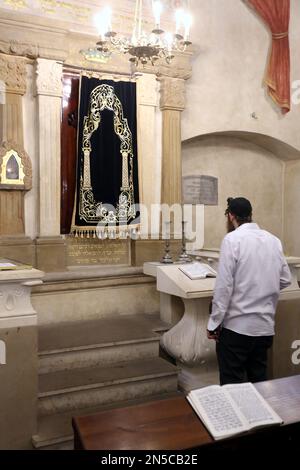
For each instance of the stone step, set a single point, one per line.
(75, 389)
(55, 431)
(99, 342)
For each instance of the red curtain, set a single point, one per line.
(276, 14)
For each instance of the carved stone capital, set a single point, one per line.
(49, 78)
(13, 47)
(172, 93)
(13, 74)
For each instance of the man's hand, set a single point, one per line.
(213, 334)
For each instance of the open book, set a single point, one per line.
(198, 271)
(232, 409)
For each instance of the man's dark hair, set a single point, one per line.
(241, 208)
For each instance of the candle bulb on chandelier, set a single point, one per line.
(187, 25)
(134, 39)
(157, 11)
(169, 41)
(108, 18)
(99, 23)
(103, 23)
(178, 15)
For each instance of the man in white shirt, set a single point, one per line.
(252, 271)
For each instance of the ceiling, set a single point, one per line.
(81, 11)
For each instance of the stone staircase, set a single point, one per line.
(88, 366)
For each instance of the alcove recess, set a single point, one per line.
(15, 181)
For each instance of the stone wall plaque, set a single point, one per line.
(200, 189)
(92, 251)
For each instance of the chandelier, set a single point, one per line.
(144, 47)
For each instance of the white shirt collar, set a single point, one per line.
(248, 226)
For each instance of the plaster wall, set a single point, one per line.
(227, 82)
(242, 169)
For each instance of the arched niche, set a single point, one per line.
(277, 147)
(15, 168)
(251, 165)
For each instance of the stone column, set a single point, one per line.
(19, 361)
(13, 242)
(149, 158)
(149, 161)
(172, 103)
(50, 246)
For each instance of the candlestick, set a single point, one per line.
(184, 257)
(167, 259)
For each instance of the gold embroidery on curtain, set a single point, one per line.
(104, 97)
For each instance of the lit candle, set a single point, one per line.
(103, 22)
(178, 15)
(169, 41)
(108, 17)
(157, 10)
(133, 38)
(98, 20)
(187, 20)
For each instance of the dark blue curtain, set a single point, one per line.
(105, 155)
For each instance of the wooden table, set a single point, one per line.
(171, 424)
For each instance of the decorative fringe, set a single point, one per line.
(104, 233)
